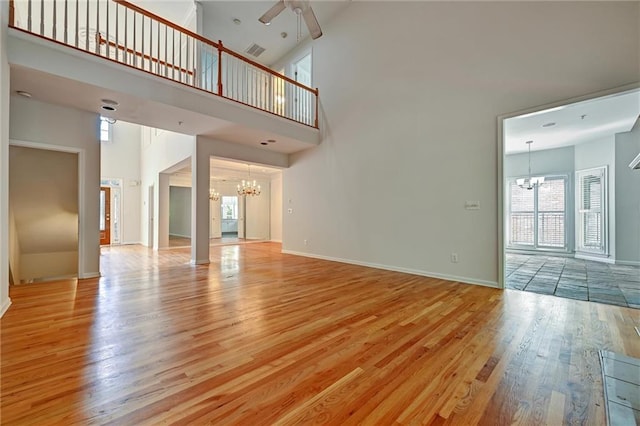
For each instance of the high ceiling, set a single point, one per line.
(574, 123)
(219, 23)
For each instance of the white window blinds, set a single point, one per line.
(592, 210)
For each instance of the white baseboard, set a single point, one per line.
(627, 262)
(180, 235)
(5, 306)
(276, 241)
(465, 280)
(199, 262)
(584, 256)
(89, 275)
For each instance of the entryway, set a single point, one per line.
(569, 196)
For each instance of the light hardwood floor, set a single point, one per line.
(259, 337)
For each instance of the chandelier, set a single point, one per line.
(213, 195)
(530, 182)
(249, 187)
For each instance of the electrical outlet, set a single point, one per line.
(306, 242)
(290, 210)
(454, 257)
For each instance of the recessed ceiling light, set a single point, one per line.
(549, 124)
(23, 93)
(108, 108)
(109, 102)
(237, 21)
(263, 143)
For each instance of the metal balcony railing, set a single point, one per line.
(125, 33)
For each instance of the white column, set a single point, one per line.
(4, 163)
(161, 237)
(199, 205)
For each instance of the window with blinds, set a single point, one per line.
(592, 210)
(537, 216)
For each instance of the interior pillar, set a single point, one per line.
(199, 205)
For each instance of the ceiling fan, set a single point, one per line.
(300, 8)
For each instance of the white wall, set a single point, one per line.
(276, 208)
(14, 249)
(546, 162)
(71, 130)
(120, 159)
(258, 212)
(628, 198)
(5, 301)
(600, 153)
(180, 211)
(161, 150)
(410, 93)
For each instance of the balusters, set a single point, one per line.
(107, 33)
(66, 21)
(97, 36)
(42, 17)
(197, 62)
(29, 7)
(55, 19)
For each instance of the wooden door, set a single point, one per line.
(105, 216)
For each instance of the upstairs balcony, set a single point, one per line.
(129, 36)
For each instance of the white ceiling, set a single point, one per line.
(574, 123)
(218, 23)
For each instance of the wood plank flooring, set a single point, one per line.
(260, 338)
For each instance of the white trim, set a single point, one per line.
(595, 258)
(464, 280)
(89, 275)
(512, 250)
(180, 235)
(5, 306)
(635, 164)
(276, 241)
(81, 185)
(198, 262)
(628, 262)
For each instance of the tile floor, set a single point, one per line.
(574, 279)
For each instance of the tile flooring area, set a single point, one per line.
(574, 279)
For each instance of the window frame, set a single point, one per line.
(603, 174)
(536, 211)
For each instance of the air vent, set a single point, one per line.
(255, 50)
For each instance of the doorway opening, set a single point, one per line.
(569, 225)
(44, 212)
(229, 214)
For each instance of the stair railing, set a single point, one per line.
(130, 35)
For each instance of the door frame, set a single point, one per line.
(81, 188)
(501, 181)
(107, 214)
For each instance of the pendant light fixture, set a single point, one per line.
(213, 194)
(249, 187)
(530, 182)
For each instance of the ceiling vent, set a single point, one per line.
(255, 50)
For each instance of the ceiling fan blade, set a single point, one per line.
(312, 23)
(275, 10)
